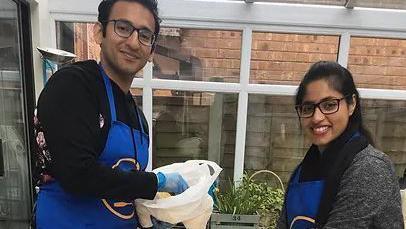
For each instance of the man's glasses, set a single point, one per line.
(326, 107)
(125, 29)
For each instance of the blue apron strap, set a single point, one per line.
(355, 135)
(140, 124)
(139, 120)
(109, 90)
(296, 175)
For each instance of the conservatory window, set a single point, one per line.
(276, 142)
(198, 55)
(194, 125)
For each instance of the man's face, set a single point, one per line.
(124, 57)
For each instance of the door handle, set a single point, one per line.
(1, 159)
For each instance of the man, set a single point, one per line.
(92, 138)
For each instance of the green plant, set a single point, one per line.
(251, 197)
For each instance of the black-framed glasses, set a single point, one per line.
(326, 107)
(125, 29)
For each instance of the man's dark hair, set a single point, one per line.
(106, 5)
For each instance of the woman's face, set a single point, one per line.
(324, 128)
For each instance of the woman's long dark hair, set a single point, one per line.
(341, 80)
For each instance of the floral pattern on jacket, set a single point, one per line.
(43, 157)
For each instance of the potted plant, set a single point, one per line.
(251, 204)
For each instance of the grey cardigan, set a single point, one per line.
(368, 195)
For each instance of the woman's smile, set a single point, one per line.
(320, 130)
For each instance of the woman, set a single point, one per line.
(343, 181)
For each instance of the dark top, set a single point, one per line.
(73, 112)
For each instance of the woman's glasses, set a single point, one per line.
(326, 107)
(125, 29)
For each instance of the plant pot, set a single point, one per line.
(229, 221)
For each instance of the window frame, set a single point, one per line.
(257, 17)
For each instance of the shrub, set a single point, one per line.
(251, 197)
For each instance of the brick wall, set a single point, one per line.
(378, 62)
(276, 58)
(218, 51)
(284, 58)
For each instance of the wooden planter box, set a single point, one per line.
(229, 221)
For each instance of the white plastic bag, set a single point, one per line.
(193, 207)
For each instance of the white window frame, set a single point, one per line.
(259, 16)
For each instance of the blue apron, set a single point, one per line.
(58, 209)
(302, 202)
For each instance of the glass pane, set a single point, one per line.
(275, 141)
(78, 38)
(278, 58)
(387, 122)
(378, 62)
(390, 4)
(14, 181)
(194, 125)
(137, 96)
(320, 2)
(198, 55)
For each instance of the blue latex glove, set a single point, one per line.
(171, 182)
(212, 191)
